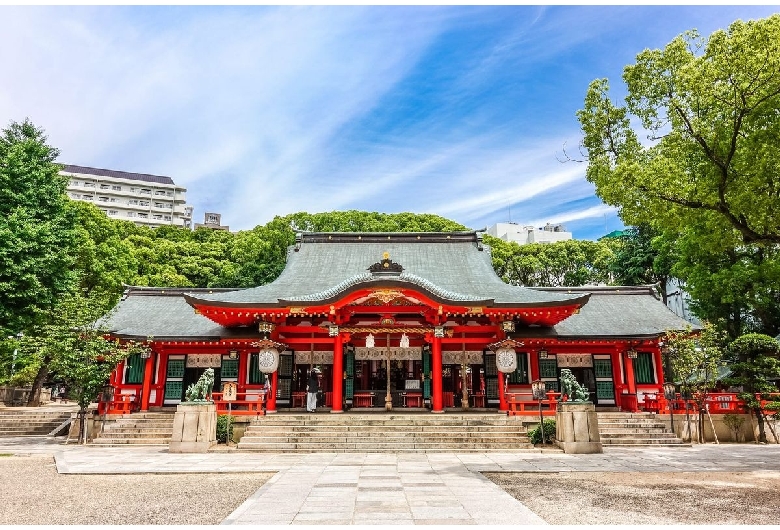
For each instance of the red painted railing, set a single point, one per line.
(252, 404)
(524, 404)
(716, 403)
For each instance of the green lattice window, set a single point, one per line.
(256, 377)
(426, 362)
(349, 366)
(229, 368)
(173, 389)
(135, 370)
(602, 368)
(548, 368)
(551, 386)
(643, 369)
(605, 390)
(520, 376)
(175, 368)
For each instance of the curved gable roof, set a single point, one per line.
(454, 266)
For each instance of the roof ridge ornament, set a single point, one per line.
(386, 267)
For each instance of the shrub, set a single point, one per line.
(535, 434)
(224, 428)
(734, 422)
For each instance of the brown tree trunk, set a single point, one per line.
(761, 431)
(40, 378)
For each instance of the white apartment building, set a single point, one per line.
(148, 200)
(525, 234)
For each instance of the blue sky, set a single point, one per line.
(263, 111)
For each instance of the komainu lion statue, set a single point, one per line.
(201, 390)
(571, 388)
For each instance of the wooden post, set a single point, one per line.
(270, 406)
(338, 369)
(437, 397)
(147, 384)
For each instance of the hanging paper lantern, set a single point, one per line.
(268, 360)
(506, 360)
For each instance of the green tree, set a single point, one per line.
(36, 228)
(710, 109)
(641, 258)
(72, 345)
(755, 359)
(572, 262)
(695, 360)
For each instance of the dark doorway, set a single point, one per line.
(587, 378)
(191, 375)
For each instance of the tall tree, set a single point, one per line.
(641, 258)
(36, 228)
(710, 109)
(755, 360)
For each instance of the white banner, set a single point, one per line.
(204, 360)
(575, 360)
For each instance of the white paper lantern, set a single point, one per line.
(268, 360)
(506, 360)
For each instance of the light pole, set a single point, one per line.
(539, 394)
(669, 394)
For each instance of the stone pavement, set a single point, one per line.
(360, 488)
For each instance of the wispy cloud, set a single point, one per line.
(263, 111)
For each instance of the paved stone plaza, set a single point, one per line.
(444, 488)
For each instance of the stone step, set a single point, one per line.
(132, 441)
(379, 447)
(616, 430)
(645, 441)
(137, 434)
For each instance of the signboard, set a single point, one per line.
(315, 357)
(229, 391)
(461, 357)
(204, 360)
(575, 360)
(382, 353)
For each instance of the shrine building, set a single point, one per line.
(392, 320)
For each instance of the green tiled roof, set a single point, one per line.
(451, 267)
(618, 311)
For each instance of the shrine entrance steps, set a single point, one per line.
(357, 432)
(638, 429)
(139, 428)
(31, 421)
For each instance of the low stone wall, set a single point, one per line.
(16, 396)
(747, 433)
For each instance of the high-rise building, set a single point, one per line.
(523, 235)
(149, 200)
(212, 220)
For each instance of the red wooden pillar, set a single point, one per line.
(617, 376)
(437, 397)
(631, 381)
(502, 404)
(535, 374)
(338, 368)
(147, 385)
(270, 404)
(162, 369)
(243, 356)
(659, 366)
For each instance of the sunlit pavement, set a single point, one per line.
(357, 488)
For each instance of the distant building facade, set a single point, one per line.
(147, 200)
(212, 220)
(526, 234)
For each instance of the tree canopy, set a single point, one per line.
(36, 228)
(709, 108)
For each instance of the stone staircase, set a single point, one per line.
(139, 428)
(636, 430)
(31, 421)
(385, 433)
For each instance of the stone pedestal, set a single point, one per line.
(194, 428)
(577, 428)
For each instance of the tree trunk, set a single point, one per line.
(761, 431)
(82, 426)
(40, 377)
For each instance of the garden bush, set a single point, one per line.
(224, 428)
(535, 434)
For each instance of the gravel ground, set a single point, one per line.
(648, 498)
(32, 492)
